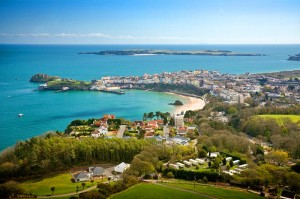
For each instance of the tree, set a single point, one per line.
(209, 164)
(231, 163)
(52, 190)
(150, 115)
(232, 110)
(10, 189)
(77, 188)
(202, 153)
(145, 116)
(296, 167)
(83, 185)
(170, 175)
(157, 114)
(92, 181)
(278, 157)
(224, 161)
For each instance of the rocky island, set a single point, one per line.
(57, 83)
(176, 103)
(172, 52)
(294, 57)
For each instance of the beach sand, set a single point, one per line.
(192, 104)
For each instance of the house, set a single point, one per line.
(181, 130)
(191, 129)
(235, 162)
(228, 159)
(81, 177)
(181, 140)
(109, 116)
(187, 163)
(180, 165)
(152, 124)
(148, 135)
(95, 134)
(213, 154)
(200, 161)
(121, 167)
(97, 171)
(159, 138)
(169, 140)
(194, 162)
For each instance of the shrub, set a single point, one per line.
(170, 175)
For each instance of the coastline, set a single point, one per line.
(192, 103)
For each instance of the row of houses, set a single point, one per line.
(237, 170)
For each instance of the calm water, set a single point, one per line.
(44, 111)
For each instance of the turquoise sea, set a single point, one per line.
(46, 111)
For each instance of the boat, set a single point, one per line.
(20, 114)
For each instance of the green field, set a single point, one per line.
(61, 182)
(214, 191)
(294, 118)
(150, 191)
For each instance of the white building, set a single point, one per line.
(166, 131)
(178, 120)
(121, 167)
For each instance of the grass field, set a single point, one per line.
(61, 182)
(152, 191)
(216, 191)
(294, 118)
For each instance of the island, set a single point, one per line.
(176, 103)
(294, 57)
(172, 52)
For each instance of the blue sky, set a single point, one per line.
(150, 21)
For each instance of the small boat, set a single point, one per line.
(20, 114)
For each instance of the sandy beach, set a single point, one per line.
(192, 104)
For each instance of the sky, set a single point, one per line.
(150, 21)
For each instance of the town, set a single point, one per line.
(262, 88)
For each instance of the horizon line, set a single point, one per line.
(149, 44)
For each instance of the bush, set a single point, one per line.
(212, 176)
(170, 175)
(202, 153)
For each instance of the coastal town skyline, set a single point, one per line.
(150, 22)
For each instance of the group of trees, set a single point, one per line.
(54, 153)
(183, 88)
(159, 115)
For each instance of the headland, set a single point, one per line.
(142, 52)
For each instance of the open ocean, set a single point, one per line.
(46, 111)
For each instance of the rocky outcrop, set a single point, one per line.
(294, 57)
(43, 78)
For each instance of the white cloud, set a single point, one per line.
(58, 35)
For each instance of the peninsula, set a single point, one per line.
(172, 52)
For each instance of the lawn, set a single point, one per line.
(61, 182)
(215, 191)
(294, 118)
(150, 191)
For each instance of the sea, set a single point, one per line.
(48, 111)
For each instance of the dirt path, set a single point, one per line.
(69, 194)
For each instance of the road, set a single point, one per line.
(121, 131)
